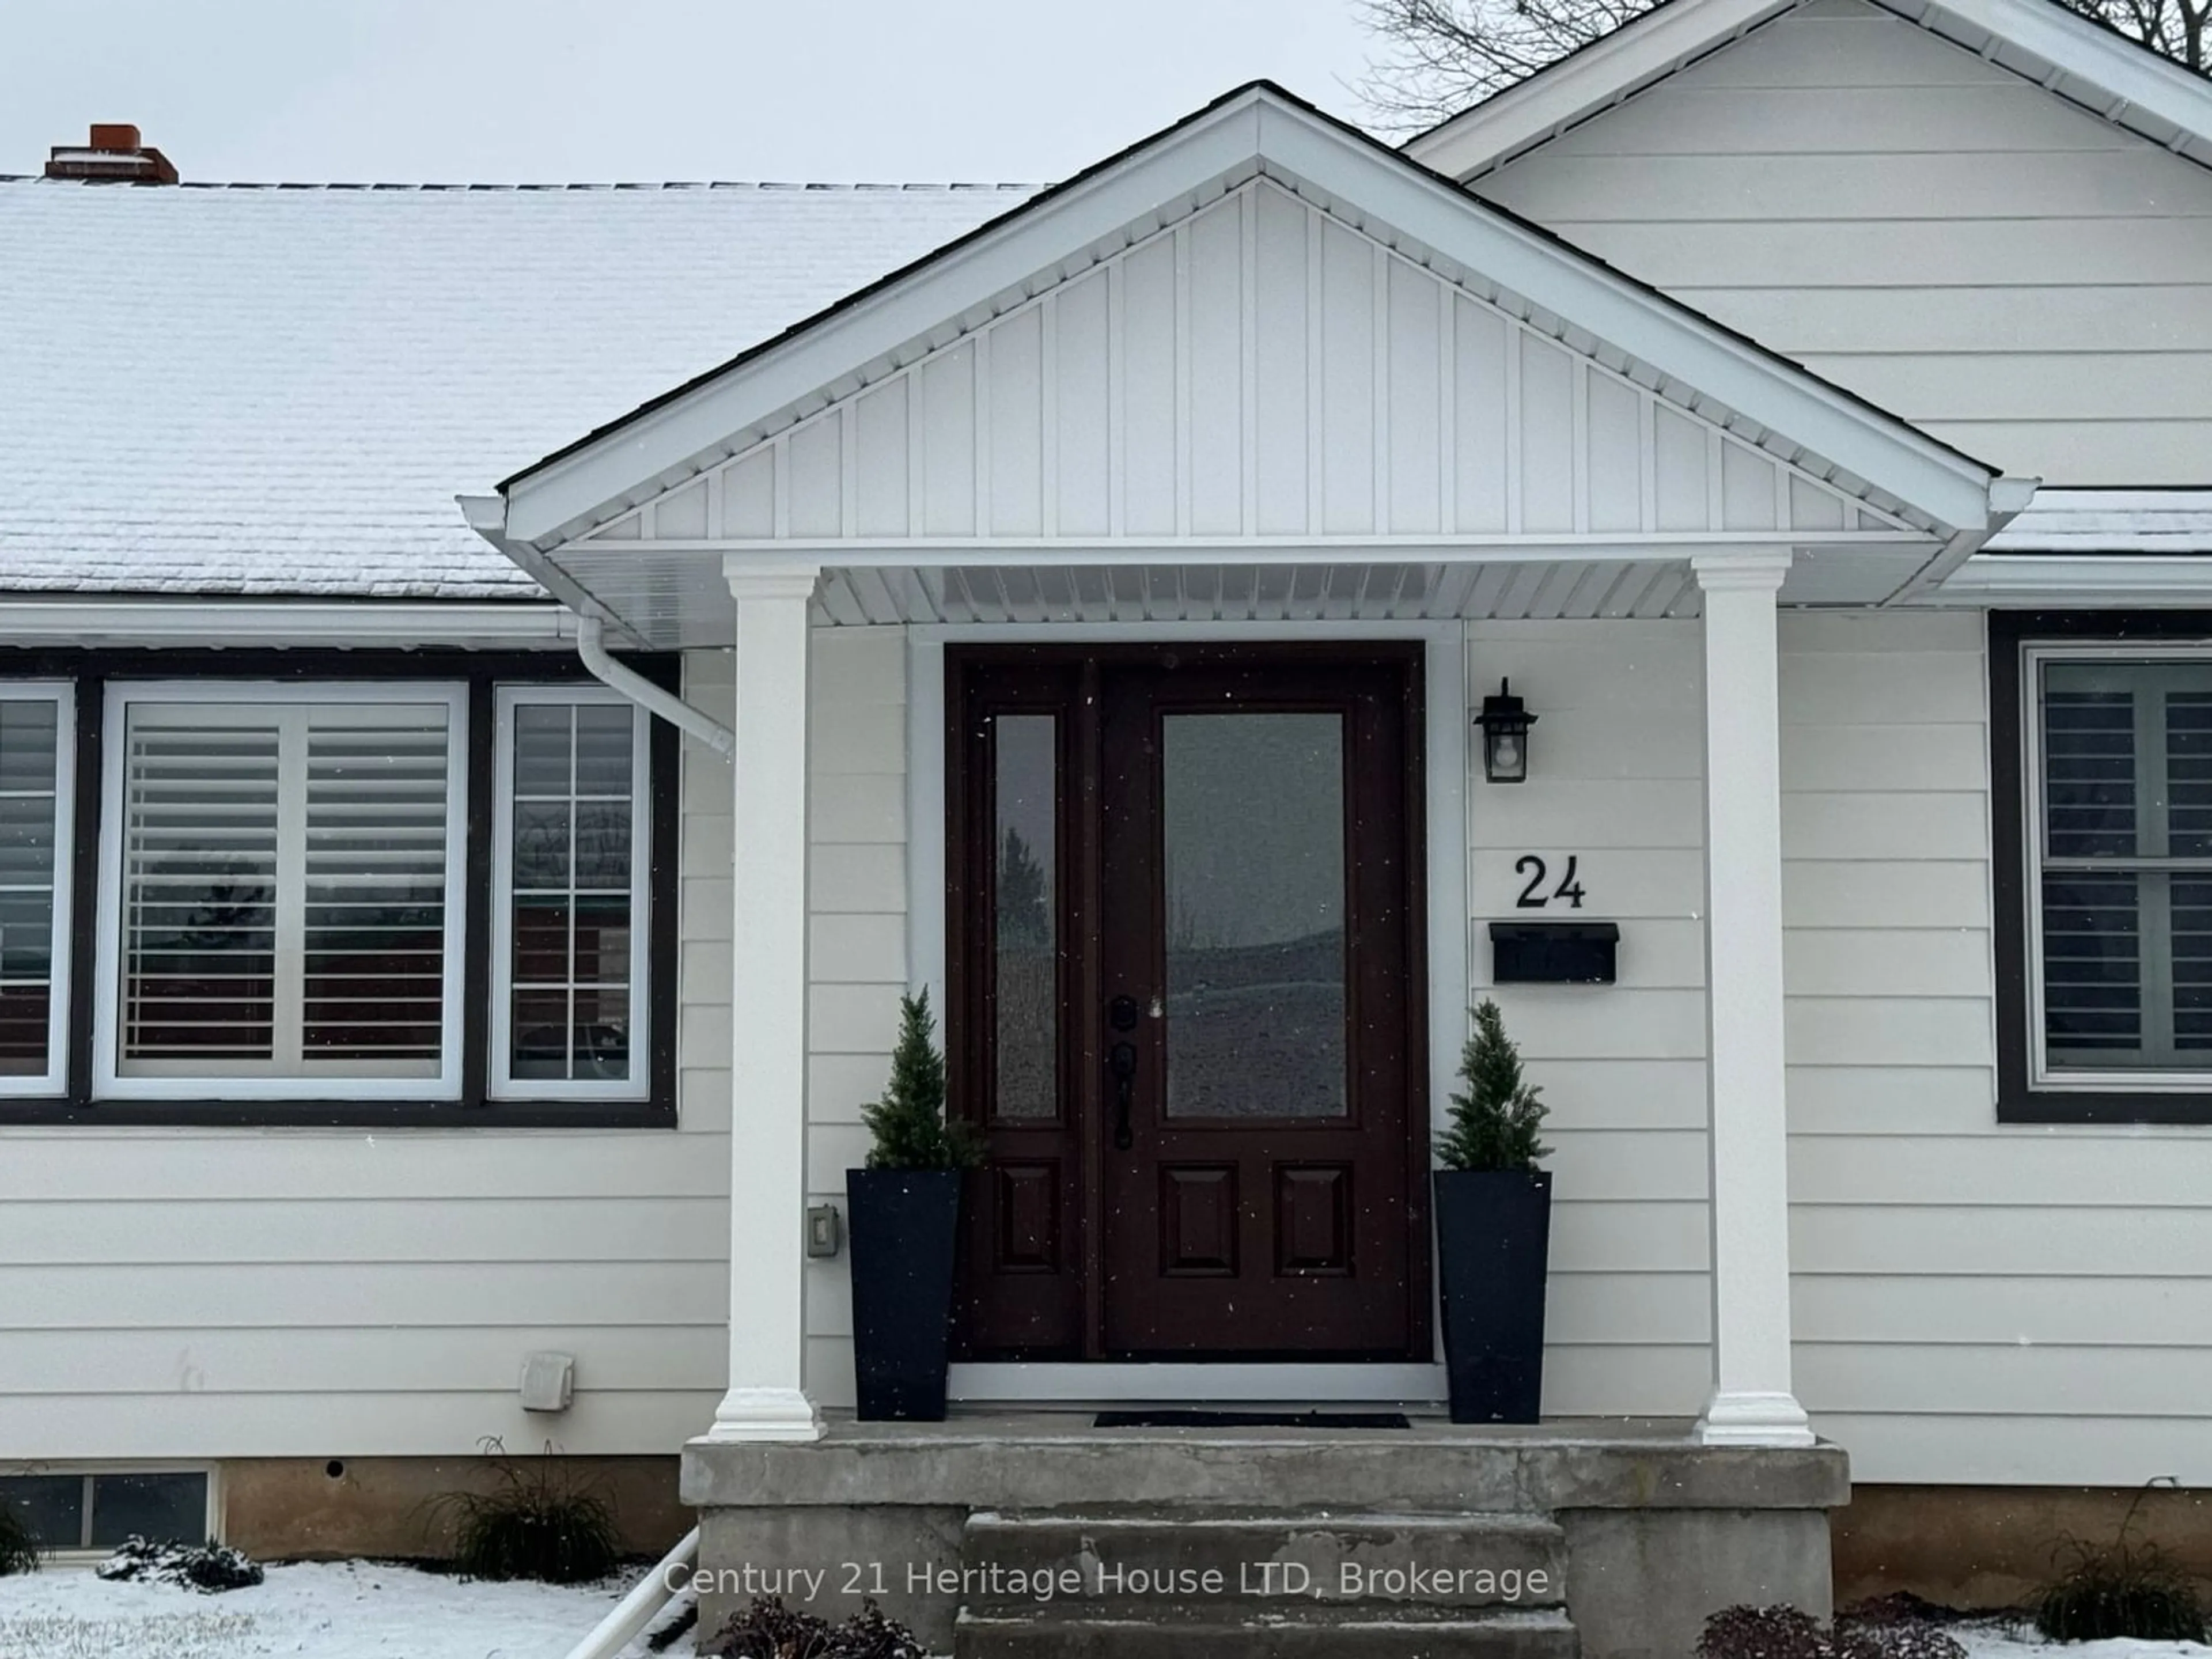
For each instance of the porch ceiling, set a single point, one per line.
(672, 605)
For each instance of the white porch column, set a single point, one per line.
(767, 1399)
(1753, 1403)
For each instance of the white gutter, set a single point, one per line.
(592, 650)
(637, 1610)
(2076, 581)
(526, 620)
(2009, 498)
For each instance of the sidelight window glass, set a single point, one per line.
(1026, 881)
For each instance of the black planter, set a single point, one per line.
(1493, 1248)
(905, 1223)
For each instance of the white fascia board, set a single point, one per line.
(2113, 63)
(542, 503)
(1602, 73)
(28, 619)
(2109, 580)
(1885, 450)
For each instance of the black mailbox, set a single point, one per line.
(1553, 952)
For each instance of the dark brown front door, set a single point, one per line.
(1185, 1001)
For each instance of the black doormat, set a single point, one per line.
(1188, 1419)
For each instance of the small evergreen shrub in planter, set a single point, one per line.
(905, 1213)
(209, 1568)
(540, 1521)
(19, 1545)
(2123, 1589)
(768, 1629)
(1493, 1233)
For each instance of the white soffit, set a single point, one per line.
(2094, 67)
(1722, 377)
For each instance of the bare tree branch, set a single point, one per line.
(1438, 57)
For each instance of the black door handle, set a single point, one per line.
(1122, 1058)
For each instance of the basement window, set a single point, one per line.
(101, 1510)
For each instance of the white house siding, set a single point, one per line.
(1972, 1302)
(2025, 281)
(242, 1293)
(1616, 780)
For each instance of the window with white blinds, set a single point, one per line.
(2123, 897)
(287, 890)
(570, 899)
(34, 785)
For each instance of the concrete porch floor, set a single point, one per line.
(1654, 1530)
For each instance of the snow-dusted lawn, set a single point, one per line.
(333, 1610)
(2003, 1640)
(360, 1610)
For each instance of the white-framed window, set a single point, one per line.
(571, 895)
(37, 728)
(2119, 747)
(282, 892)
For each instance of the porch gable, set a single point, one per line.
(1259, 326)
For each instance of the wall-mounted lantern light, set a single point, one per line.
(1504, 722)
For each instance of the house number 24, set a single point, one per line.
(1533, 895)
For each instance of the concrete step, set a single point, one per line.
(1130, 1565)
(1219, 1634)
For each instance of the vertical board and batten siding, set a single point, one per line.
(2022, 279)
(1973, 1303)
(1258, 369)
(178, 1294)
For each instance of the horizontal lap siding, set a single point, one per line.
(1971, 1302)
(1616, 779)
(182, 1294)
(856, 942)
(1941, 236)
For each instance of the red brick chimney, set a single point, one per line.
(114, 153)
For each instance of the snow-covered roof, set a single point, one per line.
(2110, 521)
(279, 388)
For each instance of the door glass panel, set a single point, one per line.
(1252, 833)
(1025, 771)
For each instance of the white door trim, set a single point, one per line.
(1445, 750)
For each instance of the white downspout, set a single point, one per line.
(635, 1612)
(487, 516)
(591, 651)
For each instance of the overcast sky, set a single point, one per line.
(503, 90)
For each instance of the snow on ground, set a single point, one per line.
(2016, 1639)
(326, 1610)
(363, 1610)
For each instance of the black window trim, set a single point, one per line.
(92, 669)
(2010, 634)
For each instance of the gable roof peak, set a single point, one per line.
(2090, 65)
